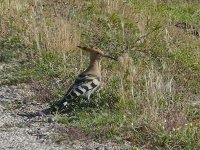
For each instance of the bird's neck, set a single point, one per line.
(94, 67)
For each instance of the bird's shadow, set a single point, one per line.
(73, 107)
(78, 105)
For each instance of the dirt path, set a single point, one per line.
(39, 133)
(18, 132)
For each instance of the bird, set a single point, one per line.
(85, 84)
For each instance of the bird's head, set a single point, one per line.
(96, 53)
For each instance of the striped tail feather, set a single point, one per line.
(83, 86)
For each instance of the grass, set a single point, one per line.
(149, 98)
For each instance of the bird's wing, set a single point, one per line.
(81, 86)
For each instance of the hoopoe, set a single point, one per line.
(86, 83)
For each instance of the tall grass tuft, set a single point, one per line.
(30, 22)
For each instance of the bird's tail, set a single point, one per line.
(60, 106)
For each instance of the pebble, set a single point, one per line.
(17, 132)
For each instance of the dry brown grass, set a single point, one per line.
(30, 22)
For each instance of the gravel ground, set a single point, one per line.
(18, 133)
(39, 133)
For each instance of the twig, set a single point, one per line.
(155, 29)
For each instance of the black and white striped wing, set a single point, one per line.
(84, 86)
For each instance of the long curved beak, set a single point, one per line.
(111, 57)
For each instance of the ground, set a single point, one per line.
(41, 133)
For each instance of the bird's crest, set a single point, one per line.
(93, 49)
(98, 51)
